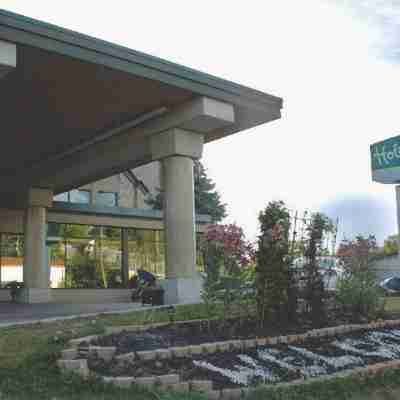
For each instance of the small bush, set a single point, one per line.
(359, 295)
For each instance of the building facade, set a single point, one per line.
(89, 249)
(129, 189)
(77, 110)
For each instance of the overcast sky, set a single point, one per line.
(335, 63)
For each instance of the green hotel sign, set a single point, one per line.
(385, 160)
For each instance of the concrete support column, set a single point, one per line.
(177, 149)
(182, 285)
(179, 217)
(36, 270)
(125, 257)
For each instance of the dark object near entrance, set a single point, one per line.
(153, 296)
(14, 287)
(145, 288)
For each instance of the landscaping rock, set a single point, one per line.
(214, 394)
(201, 386)
(78, 341)
(231, 394)
(181, 387)
(83, 351)
(105, 353)
(167, 380)
(237, 344)
(291, 339)
(124, 381)
(196, 350)
(127, 328)
(209, 348)
(246, 391)
(180, 352)
(117, 369)
(108, 379)
(146, 355)
(223, 346)
(249, 344)
(69, 354)
(146, 381)
(162, 354)
(261, 342)
(79, 367)
(126, 357)
(301, 338)
(282, 340)
(272, 341)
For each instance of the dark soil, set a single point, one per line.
(192, 333)
(227, 360)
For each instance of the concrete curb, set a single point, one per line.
(134, 309)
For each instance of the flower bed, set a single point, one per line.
(233, 366)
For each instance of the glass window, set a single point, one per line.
(146, 251)
(11, 258)
(86, 257)
(61, 197)
(74, 196)
(109, 199)
(79, 196)
(57, 262)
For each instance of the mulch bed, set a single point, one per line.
(186, 368)
(193, 333)
(233, 368)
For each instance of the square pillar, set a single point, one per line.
(176, 149)
(182, 283)
(125, 257)
(36, 263)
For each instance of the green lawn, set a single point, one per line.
(393, 305)
(28, 370)
(28, 355)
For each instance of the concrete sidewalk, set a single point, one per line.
(21, 314)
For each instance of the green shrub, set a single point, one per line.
(318, 227)
(359, 295)
(272, 274)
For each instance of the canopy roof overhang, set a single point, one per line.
(72, 104)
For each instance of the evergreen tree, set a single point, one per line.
(207, 200)
(319, 226)
(273, 279)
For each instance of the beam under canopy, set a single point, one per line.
(8, 57)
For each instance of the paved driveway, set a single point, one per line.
(11, 313)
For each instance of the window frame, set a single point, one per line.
(115, 194)
(86, 191)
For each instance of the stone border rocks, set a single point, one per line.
(73, 359)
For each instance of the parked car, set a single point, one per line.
(391, 285)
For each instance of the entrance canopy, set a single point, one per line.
(75, 109)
